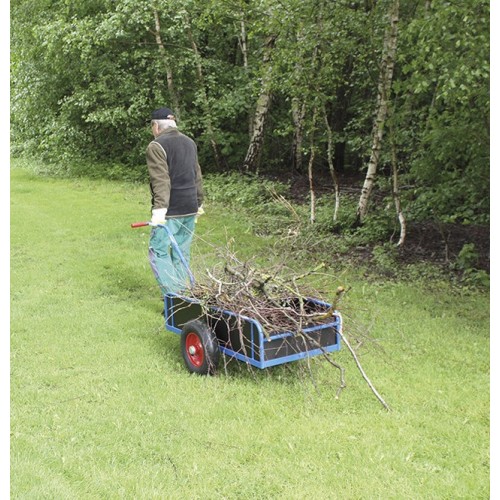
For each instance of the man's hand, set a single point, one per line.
(200, 212)
(158, 216)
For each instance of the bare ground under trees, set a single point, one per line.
(430, 241)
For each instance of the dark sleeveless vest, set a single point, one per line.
(182, 160)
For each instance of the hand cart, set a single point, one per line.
(205, 333)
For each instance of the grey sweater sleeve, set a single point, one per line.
(199, 185)
(159, 178)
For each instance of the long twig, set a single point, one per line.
(360, 368)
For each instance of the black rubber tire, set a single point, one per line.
(199, 348)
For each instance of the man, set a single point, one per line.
(176, 197)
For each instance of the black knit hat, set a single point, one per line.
(162, 114)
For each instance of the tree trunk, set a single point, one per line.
(298, 115)
(298, 108)
(243, 43)
(331, 165)
(396, 197)
(219, 160)
(312, 193)
(252, 158)
(384, 88)
(164, 55)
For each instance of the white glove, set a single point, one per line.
(200, 212)
(158, 216)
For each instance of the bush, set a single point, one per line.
(91, 170)
(467, 258)
(246, 191)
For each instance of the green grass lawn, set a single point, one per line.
(103, 407)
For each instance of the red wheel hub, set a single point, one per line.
(194, 349)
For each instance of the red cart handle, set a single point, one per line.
(139, 224)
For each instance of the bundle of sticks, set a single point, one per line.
(277, 299)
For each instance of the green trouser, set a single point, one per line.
(167, 266)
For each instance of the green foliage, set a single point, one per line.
(246, 191)
(467, 261)
(256, 196)
(468, 257)
(85, 77)
(110, 171)
(442, 97)
(475, 279)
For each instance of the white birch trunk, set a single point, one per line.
(298, 115)
(312, 193)
(331, 166)
(252, 158)
(384, 88)
(397, 198)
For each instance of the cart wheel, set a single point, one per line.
(199, 348)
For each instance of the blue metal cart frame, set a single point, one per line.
(243, 338)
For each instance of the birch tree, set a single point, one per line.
(312, 193)
(383, 96)
(331, 165)
(395, 189)
(252, 158)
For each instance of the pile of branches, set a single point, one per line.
(277, 298)
(279, 304)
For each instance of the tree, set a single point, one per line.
(442, 123)
(383, 96)
(252, 158)
(168, 67)
(86, 75)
